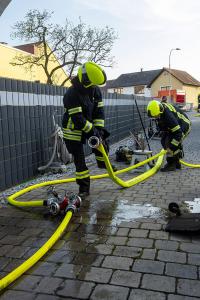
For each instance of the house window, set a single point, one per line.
(165, 88)
(118, 90)
(139, 89)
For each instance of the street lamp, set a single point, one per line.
(170, 87)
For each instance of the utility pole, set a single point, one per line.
(170, 80)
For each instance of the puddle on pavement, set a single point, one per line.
(131, 212)
(126, 212)
(193, 206)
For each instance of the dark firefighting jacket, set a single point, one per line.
(83, 112)
(176, 123)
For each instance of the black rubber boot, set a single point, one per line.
(83, 195)
(177, 159)
(101, 165)
(170, 165)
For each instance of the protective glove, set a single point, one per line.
(93, 132)
(104, 134)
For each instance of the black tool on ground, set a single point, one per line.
(124, 154)
(143, 127)
(182, 222)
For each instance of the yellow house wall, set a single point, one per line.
(192, 94)
(8, 53)
(164, 80)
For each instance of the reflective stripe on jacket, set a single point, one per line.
(176, 122)
(83, 111)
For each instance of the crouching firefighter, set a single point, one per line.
(83, 118)
(175, 126)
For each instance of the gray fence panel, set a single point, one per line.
(26, 125)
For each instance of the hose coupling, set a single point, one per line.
(54, 208)
(94, 141)
(74, 203)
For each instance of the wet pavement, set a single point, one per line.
(115, 247)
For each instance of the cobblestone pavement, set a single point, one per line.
(108, 252)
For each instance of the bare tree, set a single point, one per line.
(70, 45)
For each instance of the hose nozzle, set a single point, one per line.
(94, 141)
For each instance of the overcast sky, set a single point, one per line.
(147, 29)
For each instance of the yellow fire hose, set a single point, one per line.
(8, 279)
(189, 165)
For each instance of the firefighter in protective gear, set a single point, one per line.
(84, 117)
(175, 126)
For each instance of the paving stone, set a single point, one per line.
(138, 233)
(190, 247)
(93, 238)
(180, 270)
(100, 249)
(139, 294)
(75, 246)
(158, 283)
(177, 297)
(188, 287)
(26, 283)
(5, 249)
(99, 275)
(127, 251)
(114, 262)
(122, 232)
(151, 226)
(166, 245)
(149, 254)
(68, 271)
(43, 269)
(110, 292)
(3, 262)
(179, 237)
(59, 256)
(47, 297)
(88, 259)
(161, 235)
(126, 278)
(172, 256)
(130, 224)
(115, 240)
(31, 232)
(194, 259)
(148, 266)
(75, 289)
(17, 252)
(48, 285)
(17, 295)
(140, 242)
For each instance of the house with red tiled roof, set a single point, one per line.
(170, 82)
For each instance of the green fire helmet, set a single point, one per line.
(154, 109)
(91, 74)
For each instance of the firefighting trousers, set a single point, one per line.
(99, 156)
(82, 172)
(165, 142)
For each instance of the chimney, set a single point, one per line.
(141, 70)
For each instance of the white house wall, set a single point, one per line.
(130, 90)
